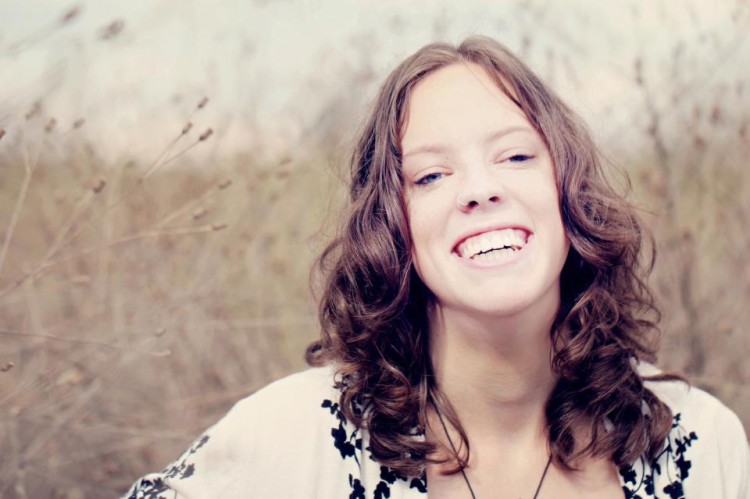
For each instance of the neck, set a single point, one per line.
(494, 371)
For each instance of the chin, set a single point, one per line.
(497, 306)
(501, 301)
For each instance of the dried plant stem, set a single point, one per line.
(33, 313)
(83, 399)
(138, 440)
(134, 237)
(260, 322)
(96, 489)
(155, 164)
(13, 453)
(172, 158)
(29, 168)
(28, 173)
(43, 437)
(58, 338)
(57, 243)
(74, 235)
(187, 207)
(143, 347)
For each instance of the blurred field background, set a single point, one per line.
(168, 172)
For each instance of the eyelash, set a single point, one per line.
(423, 181)
(520, 158)
(435, 176)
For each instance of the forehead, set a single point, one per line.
(457, 103)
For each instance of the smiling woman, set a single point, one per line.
(478, 150)
(486, 325)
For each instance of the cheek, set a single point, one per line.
(561, 236)
(426, 225)
(542, 196)
(425, 222)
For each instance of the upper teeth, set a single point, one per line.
(488, 241)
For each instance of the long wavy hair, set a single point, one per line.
(374, 307)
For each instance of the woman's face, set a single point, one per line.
(482, 199)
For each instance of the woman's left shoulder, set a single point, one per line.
(707, 452)
(694, 408)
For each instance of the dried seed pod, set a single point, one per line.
(2, 133)
(716, 115)
(50, 125)
(206, 134)
(218, 226)
(78, 123)
(7, 367)
(199, 213)
(638, 68)
(80, 279)
(160, 332)
(34, 110)
(225, 183)
(203, 103)
(112, 29)
(99, 186)
(70, 15)
(187, 127)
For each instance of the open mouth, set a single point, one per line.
(493, 245)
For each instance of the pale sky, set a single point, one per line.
(272, 68)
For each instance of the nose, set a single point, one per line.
(479, 191)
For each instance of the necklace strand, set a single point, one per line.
(463, 473)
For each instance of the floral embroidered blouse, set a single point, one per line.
(291, 440)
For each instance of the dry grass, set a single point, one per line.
(139, 301)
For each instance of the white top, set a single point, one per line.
(290, 440)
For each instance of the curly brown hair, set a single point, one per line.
(373, 309)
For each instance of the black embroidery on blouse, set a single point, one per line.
(346, 443)
(419, 483)
(358, 491)
(671, 465)
(147, 488)
(349, 443)
(388, 477)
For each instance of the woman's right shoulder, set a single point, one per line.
(277, 441)
(291, 398)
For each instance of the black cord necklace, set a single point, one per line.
(466, 478)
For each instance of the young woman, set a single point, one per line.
(485, 322)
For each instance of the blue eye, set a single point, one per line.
(520, 158)
(429, 178)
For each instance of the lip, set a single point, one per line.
(491, 228)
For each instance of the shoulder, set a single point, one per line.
(282, 440)
(287, 400)
(695, 409)
(706, 453)
(288, 413)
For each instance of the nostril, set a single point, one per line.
(494, 199)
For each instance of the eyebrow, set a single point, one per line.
(491, 137)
